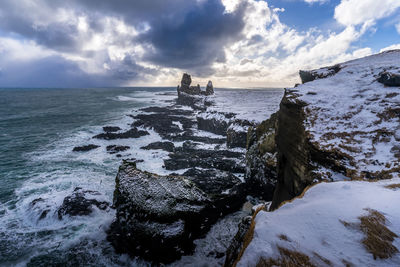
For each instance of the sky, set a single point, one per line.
(234, 43)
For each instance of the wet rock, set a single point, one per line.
(113, 149)
(80, 203)
(111, 129)
(171, 110)
(188, 136)
(236, 135)
(236, 246)
(158, 217)
(389, 78)
(164, 124)
(211, 180)
(220, 159)
(167, 146)
(85, 148)
(132, 133)
(214, 122)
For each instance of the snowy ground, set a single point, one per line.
(315, 225)
(351, 113)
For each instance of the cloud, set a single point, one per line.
(354, 12)
(197, 41)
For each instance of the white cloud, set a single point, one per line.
(315, 1)
(392, 47)
(355, 12)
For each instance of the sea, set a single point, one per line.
(38, 130)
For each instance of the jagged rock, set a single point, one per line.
(308, 76)
(111, 129)
(42, 209)
(261, 171)
(209, 88)
(192, 95)
(214, 122)
(232, 253)
(211, 180)
(165, 125)
(132, 133)
(167, 146)
(113, 149)
(220, 159)
(85, 148)
(236, 134)
(188, 136)
(80, 203)
(158, 217)
(389, 79)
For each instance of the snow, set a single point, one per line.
(312, 224)
(352, 113)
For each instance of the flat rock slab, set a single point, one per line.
(132, 133)
(85, 148)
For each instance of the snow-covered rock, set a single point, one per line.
(333, 224)
(342, 125)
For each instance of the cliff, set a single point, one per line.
(341, 124)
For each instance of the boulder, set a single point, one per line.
(81, 203)
(193, 95)
(214, 122)
(113, 149)
(111, 129)
(85, 148)
(132, 133)
(167, 146)
(158, 217)
(389, 78)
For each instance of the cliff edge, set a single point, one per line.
(342, 123)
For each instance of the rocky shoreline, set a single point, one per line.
(158, 217)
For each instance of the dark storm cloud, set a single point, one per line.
(185, 34)
(55, 71)
(197, 40)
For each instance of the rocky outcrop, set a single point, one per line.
(214, 122)
(113, 149)
(389, 78)
(344, 125)
(132, 133)
(85, 148)
(167, 146)
(158, 217)
(193, 95)
(236, 244)
(311, 75)
(261, 159)
(80, 203)
(111, 129)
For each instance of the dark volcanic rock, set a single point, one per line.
(167, 146)
(308, 76)
(164, 125)
(220, 159)
(171, 110)
(233, 251)
(209, 88)
(158, 217)
(214, 122)
(211, 180)
(111, 129)
(85, 148)
(389, 79)
(192, 95)
(236, 138)
(113, 149)
(80, 203)
(261, 159)
(187, 136)
(132, 133)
